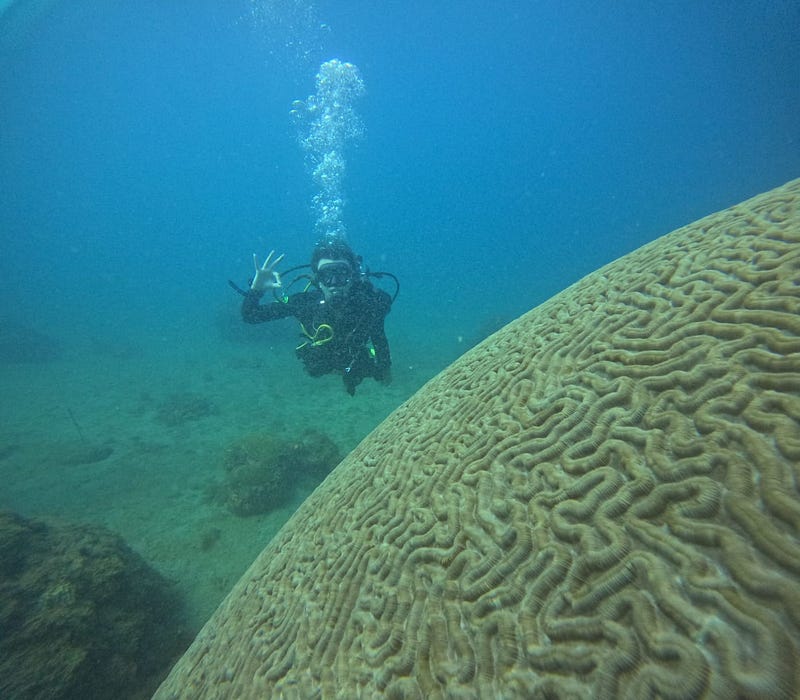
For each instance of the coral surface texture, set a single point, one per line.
(598, 501)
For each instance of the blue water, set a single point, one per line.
(509, 148)
(147, 150)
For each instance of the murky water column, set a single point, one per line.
(327, 121)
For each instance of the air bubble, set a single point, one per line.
(328, 120)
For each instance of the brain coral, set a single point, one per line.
(599, 501)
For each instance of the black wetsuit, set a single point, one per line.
(337, 334)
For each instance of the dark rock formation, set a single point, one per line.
(81, 614)
(264, 469)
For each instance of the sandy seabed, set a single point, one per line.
(90, 438)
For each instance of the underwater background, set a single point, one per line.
(148, 149)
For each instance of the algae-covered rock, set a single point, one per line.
(263, 469)
(81, 614)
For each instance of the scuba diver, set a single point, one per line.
(341, 313)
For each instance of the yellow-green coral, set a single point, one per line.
(599, 501)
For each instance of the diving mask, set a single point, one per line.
(334, 275)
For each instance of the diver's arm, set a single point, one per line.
(266, 277)
(255, 312)
(383, 357)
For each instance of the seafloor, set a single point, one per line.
(133, 434)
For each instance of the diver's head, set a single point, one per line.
(335, 268)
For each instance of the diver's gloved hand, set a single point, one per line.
(266, 277)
